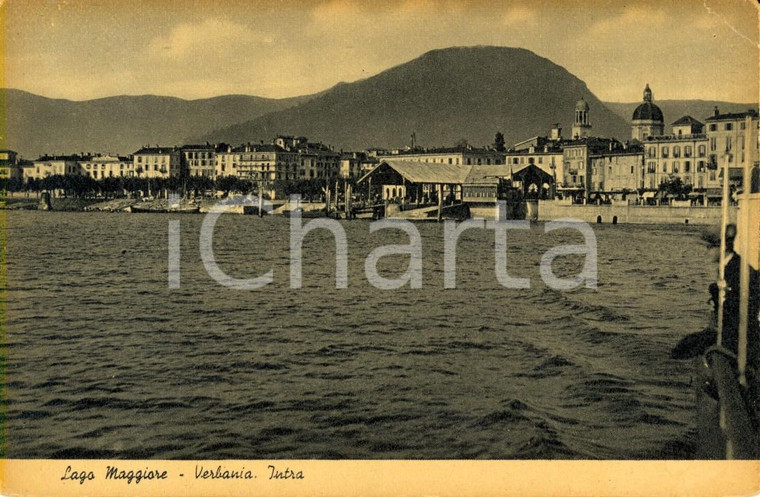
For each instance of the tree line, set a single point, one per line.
(118, 186)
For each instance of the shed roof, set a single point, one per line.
(425, 172)
(478, 174)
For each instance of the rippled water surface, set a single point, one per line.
(104, 360)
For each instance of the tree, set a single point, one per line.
(227, 184)
(675, 187)
(15, 184)
(498, 142)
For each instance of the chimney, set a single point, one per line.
(715, 111)
(557, 132)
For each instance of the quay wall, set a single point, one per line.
(549, 210)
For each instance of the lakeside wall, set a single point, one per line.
(548, 210)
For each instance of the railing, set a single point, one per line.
(743, 441)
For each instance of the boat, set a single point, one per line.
(183, 209)
(305, 214)
(727, 374)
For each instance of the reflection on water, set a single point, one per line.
(103, 360)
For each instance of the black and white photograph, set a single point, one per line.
(405, 230)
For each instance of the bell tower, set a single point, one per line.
(581, 125)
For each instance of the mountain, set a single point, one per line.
(443, 96)
(37, 125)
(673, 110)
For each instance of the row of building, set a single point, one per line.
(286, 158)
(579, 166)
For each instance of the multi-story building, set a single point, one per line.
(729, 137)
(198, 160)
(226, 161)
(577, 164)
(54, 165)
(157, 162)
(355, 164)
(463, 155)
(9, 167)
(549, 159)
(617, 171)
(318, 161)
(266, 162)
(681, 155)
(106, 166)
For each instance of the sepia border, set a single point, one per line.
(37, 477)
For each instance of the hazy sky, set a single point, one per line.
(76, 49)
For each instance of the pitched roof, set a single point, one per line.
(686, 120)
(478, 174)
(155, 150)
(258, 148)
(732, 115)
(207, 146)
(532, 169)
(426, 172)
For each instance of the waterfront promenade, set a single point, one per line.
(547, 210)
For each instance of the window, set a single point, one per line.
(743, 126)
(675, 167)
(665, 151)
(631, 169)
(713, 127)
(652, 151)
(687, 151)
(729, 126)
(687, 166)
(701, 150)
(713, 144)
(676, 151)
(729, 144)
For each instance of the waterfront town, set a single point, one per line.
(650, 168)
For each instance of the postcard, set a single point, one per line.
(416, 247)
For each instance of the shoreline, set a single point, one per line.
(537, 211)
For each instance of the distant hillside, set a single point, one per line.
(672, 110)
(443, 96)
(37, 125)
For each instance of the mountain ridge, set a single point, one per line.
(37, 125)
(442, 96)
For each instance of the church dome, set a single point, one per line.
(581, 105)
(648, 111)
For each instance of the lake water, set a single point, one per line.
(103, 360)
